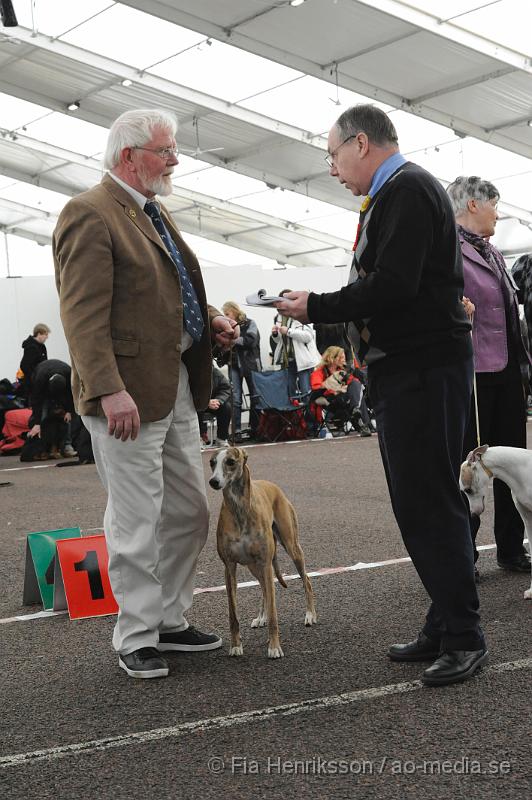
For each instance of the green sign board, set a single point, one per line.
(40, 565)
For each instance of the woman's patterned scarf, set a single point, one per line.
(489, 253)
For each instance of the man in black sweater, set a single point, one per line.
(406, 320)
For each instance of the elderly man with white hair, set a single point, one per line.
(140, 331)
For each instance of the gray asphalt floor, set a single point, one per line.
(333, 719)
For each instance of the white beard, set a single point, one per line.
(161, 185)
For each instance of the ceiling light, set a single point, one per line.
(296, 2)
(74, 106)
(127, 82)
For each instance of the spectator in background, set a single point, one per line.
(52, 407)
(500, 356)
(336, 389)
(294, 349)
(34, 352)
(220, 407)
(522, 275)
(333, 335)
(244, 359)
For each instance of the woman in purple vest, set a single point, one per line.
(501, 358)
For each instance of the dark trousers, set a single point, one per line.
(348, 406)
(223, 418)
(54, 432)
(421, 419)
(237, 378)
(502, 418)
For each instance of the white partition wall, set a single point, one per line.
(23, 303)
(26, 301)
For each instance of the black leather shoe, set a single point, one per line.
(421, 649)
(146, 662)
(516, 563)
(454, 666)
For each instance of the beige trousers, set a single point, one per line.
(156, 521)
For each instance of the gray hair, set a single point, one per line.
(135, 128)
(370, 120)
(470, 187)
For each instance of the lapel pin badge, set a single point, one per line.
(132, 213)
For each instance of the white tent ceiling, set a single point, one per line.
(253, 113)
(385, 49)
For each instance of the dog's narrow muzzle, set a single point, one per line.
(215, 483)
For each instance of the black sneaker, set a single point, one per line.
(146, 662)
(516, 563)
(189, 640)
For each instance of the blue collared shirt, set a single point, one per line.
(384, 171)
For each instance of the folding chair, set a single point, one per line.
(279, 418)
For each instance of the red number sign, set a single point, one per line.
(83, 565)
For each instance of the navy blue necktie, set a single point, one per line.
(191, 309)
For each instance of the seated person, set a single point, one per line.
(220, 407)
(52, 407)
(338, 391)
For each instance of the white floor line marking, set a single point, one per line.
(231, 720)
(209, 449)
(37, 615)
(246, 584)
(20, 469)
(244, 446)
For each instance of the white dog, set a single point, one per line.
(513, 465)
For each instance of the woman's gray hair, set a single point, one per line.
(135, 128)
(470, 187)
(370, 120)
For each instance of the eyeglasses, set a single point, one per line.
(329, 158)
(166, 153)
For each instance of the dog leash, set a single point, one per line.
(231, 399)
(486, 469)
(475, 394)
(477, 422)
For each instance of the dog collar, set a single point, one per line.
(486, 469)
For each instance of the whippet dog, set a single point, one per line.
(255, 515)
(513, 465)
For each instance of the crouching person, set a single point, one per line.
(52, 407)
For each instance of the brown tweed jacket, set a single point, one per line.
(120, 301)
